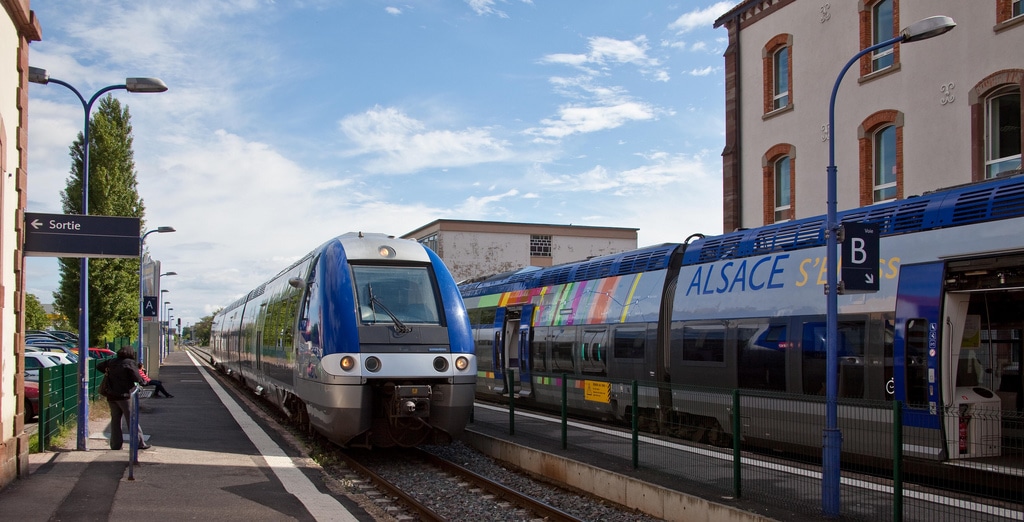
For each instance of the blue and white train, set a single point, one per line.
(746, 310)
(366, 339)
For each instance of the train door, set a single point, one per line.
(916, 345)
(525, 338)
(507, 345)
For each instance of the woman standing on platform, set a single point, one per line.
(121, 375)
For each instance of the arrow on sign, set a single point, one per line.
(869, 278)
(36, 223)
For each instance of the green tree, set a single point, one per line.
(113, 191)
(201, 330)
(35, 315)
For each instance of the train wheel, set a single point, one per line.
(713, 433)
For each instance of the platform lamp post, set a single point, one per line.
(159, 318)
(142, 293)
(142, 85)
(832, 437)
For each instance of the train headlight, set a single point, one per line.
(348, 362)
(440, 364)
(386, 252)
(461, 363)
(372, 364)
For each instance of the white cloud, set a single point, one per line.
(396, 143)
(700, 17)
(392, 10)
(706, 71)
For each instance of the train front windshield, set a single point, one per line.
(395, 294)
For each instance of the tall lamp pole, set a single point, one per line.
(40, 76)
(160, 316)
(142, 293)
(832, 437)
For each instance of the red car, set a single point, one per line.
(98, 353)
(31, 400)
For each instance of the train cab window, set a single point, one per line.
(392, 294)
(916, 363)
(762, 356)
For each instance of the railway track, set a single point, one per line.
(488, 496)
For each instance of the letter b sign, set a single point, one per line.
(860, 258)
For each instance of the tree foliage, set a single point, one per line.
(113, 191)
(201, 330)
(35, 315)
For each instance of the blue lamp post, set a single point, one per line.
(38, 75)
(832, 438)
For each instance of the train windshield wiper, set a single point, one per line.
(400, 327)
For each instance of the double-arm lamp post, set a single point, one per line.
(38, 75)
(920, 30)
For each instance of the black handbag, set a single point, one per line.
(104, 389)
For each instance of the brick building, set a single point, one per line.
(908, 119)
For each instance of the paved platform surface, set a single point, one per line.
(204, 464)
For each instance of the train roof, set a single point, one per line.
(1000, 198)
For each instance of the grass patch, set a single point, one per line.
(66, 435)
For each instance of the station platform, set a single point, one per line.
(209, 460)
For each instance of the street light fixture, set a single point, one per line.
(40, 76)
(142, 294)
(920, 30)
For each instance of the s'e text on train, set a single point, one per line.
(746, 310)
(365, 339)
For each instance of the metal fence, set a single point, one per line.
(765, 448)
(58, 398)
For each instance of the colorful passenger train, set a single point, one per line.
(746, 310)
(366, 339)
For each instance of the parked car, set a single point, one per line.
(53, 348)
(31, 400)
(36, 360)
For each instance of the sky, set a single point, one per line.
(289, 122)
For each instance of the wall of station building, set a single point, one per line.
(471, 255)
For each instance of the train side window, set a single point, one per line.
(562, 342)
(630, 343)
(916, 363)
(538, 350)
(850, 350)
(762, 356)
(704, 342)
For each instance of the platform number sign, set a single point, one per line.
(859, 260)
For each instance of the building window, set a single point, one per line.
(1015, 8)
(885, 164)
(430, 242)
(879, 21)
(777, 56)
(882, 29)
(778, 167)
(783, 194)
(540, 246)
(881, 157)
(1002, 131)
(781, 82)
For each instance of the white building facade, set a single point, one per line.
(17, 28)
(908, 119)
(473, 249)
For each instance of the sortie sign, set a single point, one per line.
(73, 235)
